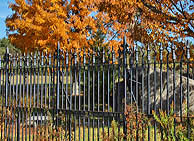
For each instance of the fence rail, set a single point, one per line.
(80, 95)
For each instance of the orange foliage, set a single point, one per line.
(151, 21)
(39, 24)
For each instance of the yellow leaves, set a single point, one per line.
(42, 42)
(54, 1)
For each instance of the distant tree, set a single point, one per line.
(4, 43)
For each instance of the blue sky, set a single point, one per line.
(4, 12)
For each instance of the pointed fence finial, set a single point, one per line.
(42, 59)
(148, 53)
(173, 52)
(125, 45)
(34, 59)
(6, 57)
(113, 55)
(188, 49)
(67, 57)
(49, 59)
(20, 62)
(75, 56)
(103, 56)
(58, 46)
(93, 56)
(161, 51)
(84, 55)
(124, 40)
(27, 59)
(7, 50)
(136, 52)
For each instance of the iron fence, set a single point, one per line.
(86, 95)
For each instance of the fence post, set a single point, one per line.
(125, 87)
(188, 68)
(6, 75)
(58, 81)
(6, 57)
(148, 89)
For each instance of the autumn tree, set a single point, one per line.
(39, 24)
(169, 21)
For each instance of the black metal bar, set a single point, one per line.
(49, 86)
(66, 91)
(23, 95)
(34, 96)
(136, 79)
(108, 90)
(84, 100)
(98, 97)
(75, 91)
(62, 93)
(38, 82)
(41, 92)
(93, 92)
(17, 104)
(142, 88)
(20, 91)
(50, 77)
(155, 84)
(103, 92)
(10, 97)
(13, 99)
(125, 86)
(88, 90)
(23, 125)
(79, 89)
(1, 93)
(58, 85)
(181, 86)
(174, 85)
(6, 90)
(148, 89)
(161, 81)
(28, 112)
(167, 83)
(161, 85)
(136, 91)
(118, 91)
(113, 80)
(70, 106)
(45, 109)
(31, 109)
(188, 114)
(62, 81)
(53, 106)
